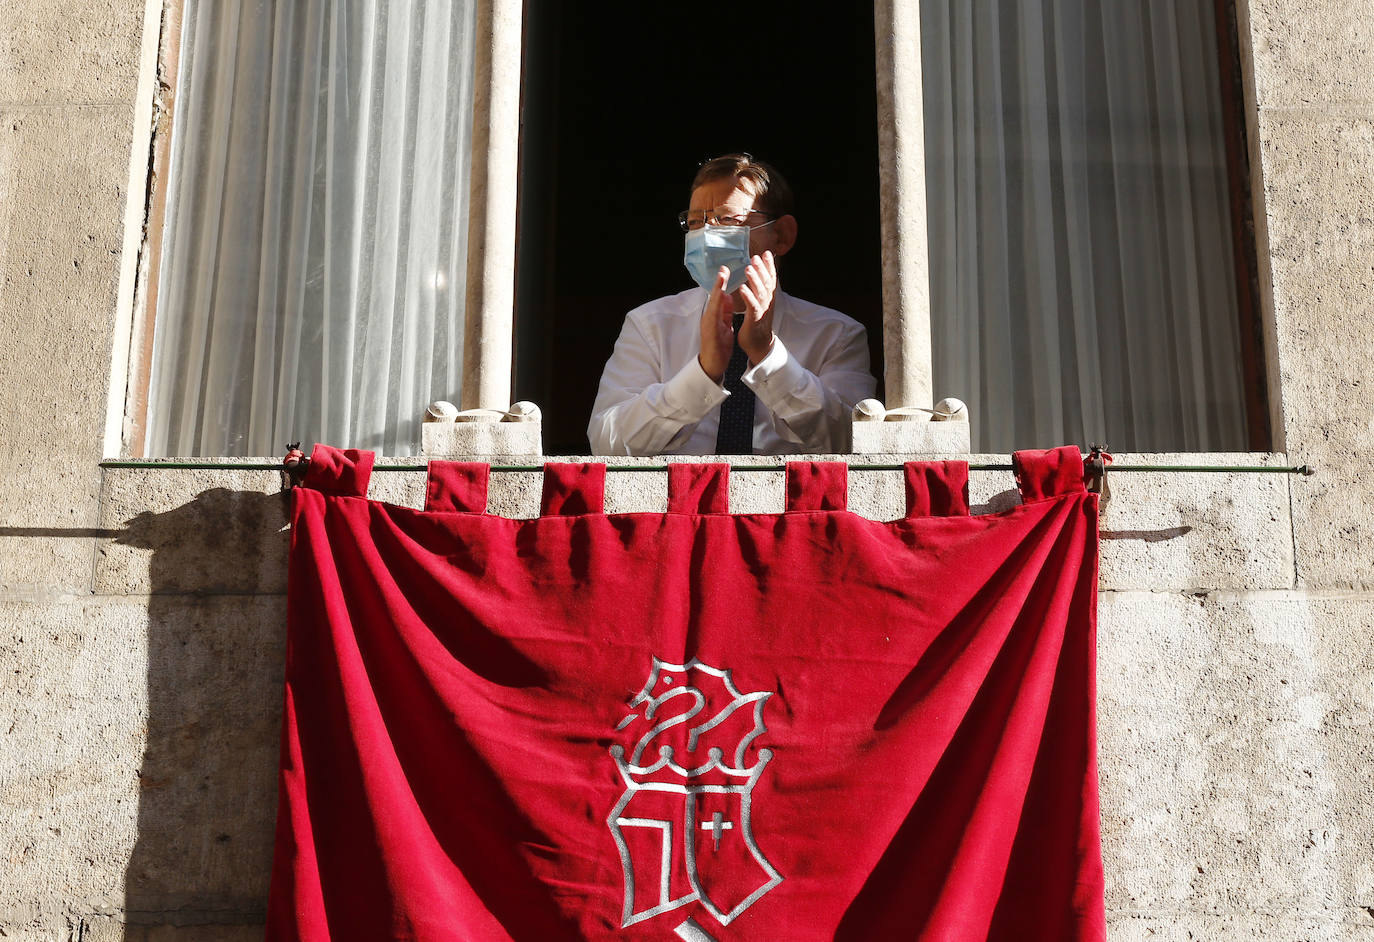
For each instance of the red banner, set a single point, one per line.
(690, 725)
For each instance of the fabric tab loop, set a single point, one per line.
(572, 489)
(339, 472)
(698, 488)
(1053, 472)
(817, 485)
(457, 486)
(936, 489)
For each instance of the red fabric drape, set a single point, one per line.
(457, 486)
(796, 726)
(698, 488)
(936, 488)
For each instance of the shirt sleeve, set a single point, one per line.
(634, 413)
(815, 409)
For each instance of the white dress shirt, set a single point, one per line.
(655, 398)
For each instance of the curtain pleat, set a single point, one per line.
(313, 271)
(1082, 282)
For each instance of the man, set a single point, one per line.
(733, 366)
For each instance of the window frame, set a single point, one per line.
(489, 303)
(145, 213)
(905, 245)
(489, 339)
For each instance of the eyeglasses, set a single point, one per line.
(690, 219)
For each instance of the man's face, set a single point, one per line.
(728, 198)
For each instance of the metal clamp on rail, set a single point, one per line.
(293, 467)
(1095, 472)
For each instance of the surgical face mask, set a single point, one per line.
(710, 247)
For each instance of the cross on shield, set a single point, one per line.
(723, 860)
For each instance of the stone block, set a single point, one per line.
(207, 776)
(1320, 211)
(62, 175)
(515, 494)
(1202, 530)
(180, 531)
(402, 488)
(758, 492)
(1333, 533)
(1311, 53)
(918, 436)
(877, 495)
(47, 532)
(62, 183)
(1233, 753)
(1191, 925)
(492, 439)
(69, 51)
(1321, 226)
(636, 492)
(142, 746)
(73, 709)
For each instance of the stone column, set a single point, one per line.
(487, 343)
(902, 185)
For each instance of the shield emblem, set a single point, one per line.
(723, 860)
(689, 747)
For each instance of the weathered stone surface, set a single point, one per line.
(208, 774)
(1234, 753)
(1312, 52)
(636, 492)
(403, 488)
(1321, 226)
(1201, 530)
(1351, 925)
(921, 436)
(141, 748)
(515, 494)
(69, 51)
(877, 495)
(106, 927)
(509, 439)
(61, 210)
(175, 531)
(61, 204)
(73, 709)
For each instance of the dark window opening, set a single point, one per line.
(619, 105)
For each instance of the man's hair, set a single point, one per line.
(761, 180)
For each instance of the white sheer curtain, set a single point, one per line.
(1082, 284)
(315, 250)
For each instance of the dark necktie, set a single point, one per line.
(736, 433)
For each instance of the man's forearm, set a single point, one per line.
(812, 409)
(654, 419)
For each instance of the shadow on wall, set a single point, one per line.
(207, 783)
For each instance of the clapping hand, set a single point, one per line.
(758, 294)
(717, 329)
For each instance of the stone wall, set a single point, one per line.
(141, 611)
